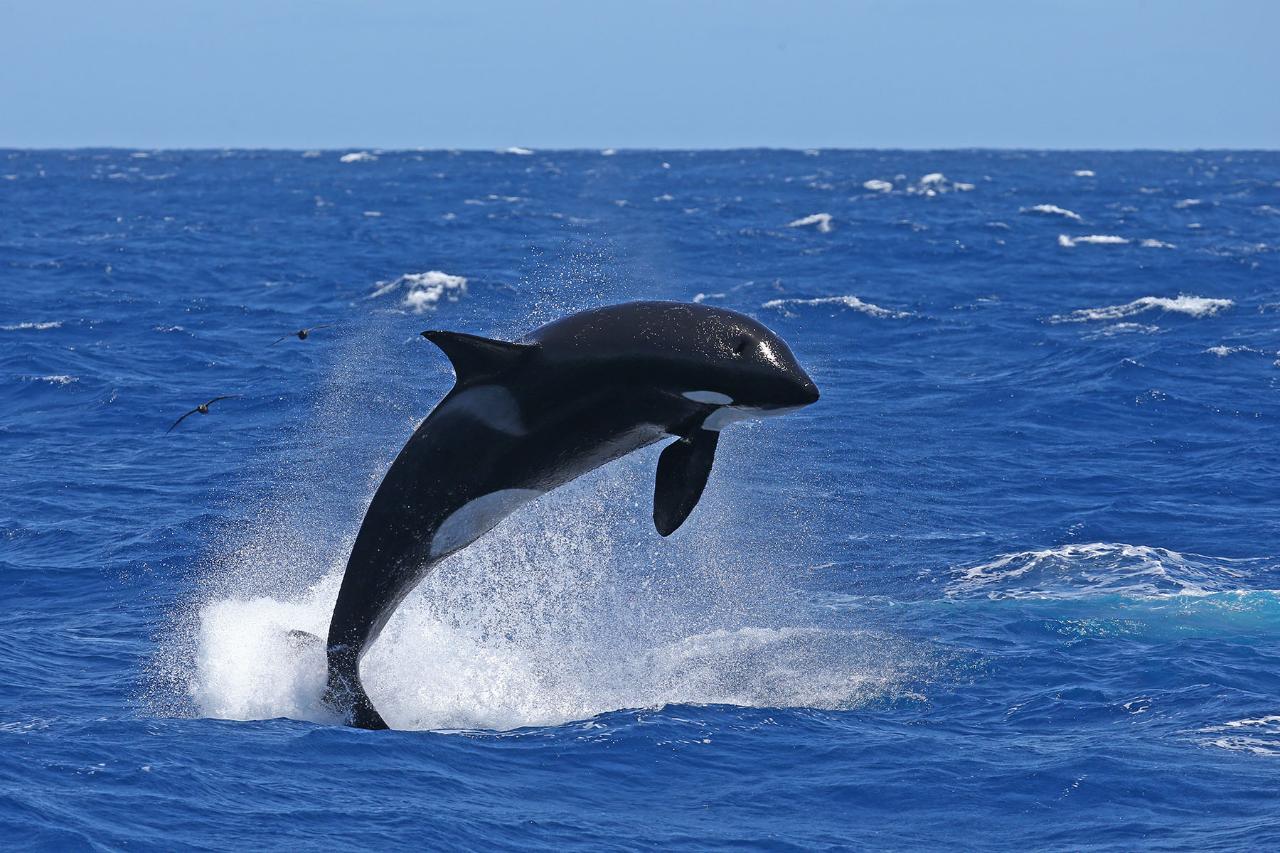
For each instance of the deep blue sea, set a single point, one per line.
(1013, 583)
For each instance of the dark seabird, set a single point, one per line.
(203, 409)
(301, 334)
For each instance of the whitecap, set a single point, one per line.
(56, 379)
(822, 220)
(1222, 350)
(1103, 568)
(518, 151)
(847, 301)
(703, 297)
(608, 152)
(1068, 242)
(1083, 173)
(424, 290)
(1192, 306)
(1151, 243)
(35, 327)
(1053, 210)
(877, 185)
(936, 183)
(358, 157)
(1258, 735)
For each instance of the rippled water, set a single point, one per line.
(1013, 581)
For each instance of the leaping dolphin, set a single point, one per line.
(526, 417)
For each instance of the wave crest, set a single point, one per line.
(1103, 568)
(1192, 306)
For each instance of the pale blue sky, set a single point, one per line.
(399, 74)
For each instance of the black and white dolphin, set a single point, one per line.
(526, 417)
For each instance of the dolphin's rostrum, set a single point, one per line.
(526, 417)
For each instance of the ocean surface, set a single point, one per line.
(1013, 583)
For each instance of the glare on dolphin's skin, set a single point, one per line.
(528, 416)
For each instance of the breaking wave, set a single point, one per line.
(821, 220)
(1192, 306)
(33, 327)
(1053, 210)
(424, 290)
(1103, 568)
(852, 302)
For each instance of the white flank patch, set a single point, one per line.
(477, 518)
(713, 397)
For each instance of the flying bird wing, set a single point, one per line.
(223, 397)
(283, 338)
(180, 420)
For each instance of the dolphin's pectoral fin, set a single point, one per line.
(475, 358)
(683, 469)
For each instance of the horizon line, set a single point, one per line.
(520, 150)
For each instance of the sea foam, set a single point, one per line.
(424, 290)
(34, 327)
(567, 609)
(1104, 568)
(1192, 306)
(1052, 210)
(821, 220)
(852, 302)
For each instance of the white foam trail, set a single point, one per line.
(703, 297)
(358, 157)
(822, 220)
(424, 290)
(37, 327)
(1102, 568)
(1192, 306)
(1069, 242)
(1053, 210)
(847, 301)
(564, 611)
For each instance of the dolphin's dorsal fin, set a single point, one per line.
(475, 357)
(683, 469)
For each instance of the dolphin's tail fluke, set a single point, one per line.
(345, 694)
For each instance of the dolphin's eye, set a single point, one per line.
(740, 346)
